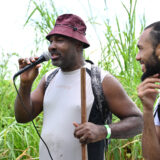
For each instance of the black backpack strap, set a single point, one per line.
(100, 112)
(103, 105)
(89, 61)
(158, 112)
(50, 77)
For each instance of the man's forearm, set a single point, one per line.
(23, 105)
(126, 128)
(150, 143)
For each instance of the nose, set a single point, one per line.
(138, 57)
(52, 47)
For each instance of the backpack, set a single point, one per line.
(100, 112)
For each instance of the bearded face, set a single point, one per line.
(152, 66)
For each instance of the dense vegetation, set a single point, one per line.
(20, 141)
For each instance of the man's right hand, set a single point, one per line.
(30, 75)
(32, 100)
(148, 90)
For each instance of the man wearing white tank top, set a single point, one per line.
(61, 102)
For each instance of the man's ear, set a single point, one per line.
(158, 51)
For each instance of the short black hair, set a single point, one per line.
(155, 33)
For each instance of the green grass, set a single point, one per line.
(119, 57)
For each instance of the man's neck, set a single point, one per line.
(74, 67)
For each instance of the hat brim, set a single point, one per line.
(69, 32)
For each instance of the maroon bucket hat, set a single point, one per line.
(72, 26)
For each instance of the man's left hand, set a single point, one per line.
(89, 132)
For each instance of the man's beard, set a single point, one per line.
(152, 67)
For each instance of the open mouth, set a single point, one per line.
(55, 57)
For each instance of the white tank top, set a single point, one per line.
(62, 107)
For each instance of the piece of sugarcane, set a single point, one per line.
(83, 108)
